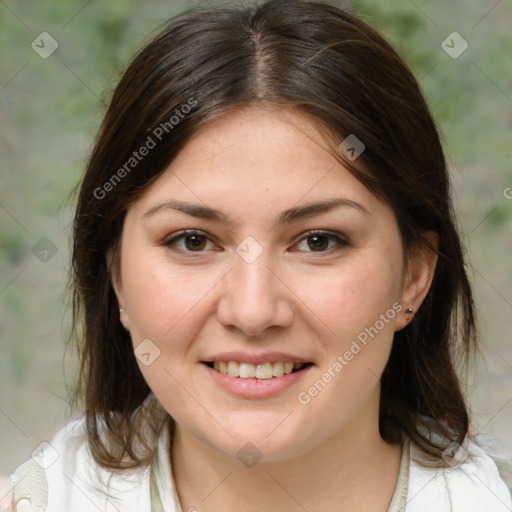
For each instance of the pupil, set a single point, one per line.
(318, 243)
(195, 242)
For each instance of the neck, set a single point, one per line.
(355, 469)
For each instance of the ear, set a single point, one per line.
(419, 273)
(114, 268)
(115, 277)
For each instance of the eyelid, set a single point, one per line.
(171, 240)
(340, 239)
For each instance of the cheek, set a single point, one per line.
(166, 307)
(353, 298)
(359, 307)
(158, 297)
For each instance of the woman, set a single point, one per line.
(269, 289)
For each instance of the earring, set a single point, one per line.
(123, 320)
(409, 311)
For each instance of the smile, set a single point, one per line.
(256, 380)
(256, 371)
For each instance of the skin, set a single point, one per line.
(252, 165)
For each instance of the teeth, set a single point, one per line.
(278, 369)
(233, 369)
(264, 371)
(260, 371)
(247, 370)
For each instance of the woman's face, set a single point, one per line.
(256, 251)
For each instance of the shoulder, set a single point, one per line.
(63, 476)
(470, 482)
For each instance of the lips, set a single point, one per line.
(264, 357)
(254, 387)
(251, 375)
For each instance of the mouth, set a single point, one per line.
(262, 371)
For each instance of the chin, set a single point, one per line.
(268, 444)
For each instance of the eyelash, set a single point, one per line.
(336, 238)
(182, 235)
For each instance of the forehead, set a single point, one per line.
(260, 158)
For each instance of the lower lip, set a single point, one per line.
(256, 388)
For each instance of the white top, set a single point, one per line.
(64, 477)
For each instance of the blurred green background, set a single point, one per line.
(50, 110)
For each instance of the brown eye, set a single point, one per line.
(318, 242)
(195, 242)
(189, 242)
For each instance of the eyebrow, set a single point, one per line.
(194, 210)
(308, 210)
(287, 217)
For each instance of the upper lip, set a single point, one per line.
(266, 357)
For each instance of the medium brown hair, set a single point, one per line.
(330, 65)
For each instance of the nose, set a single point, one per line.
(254, 298)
